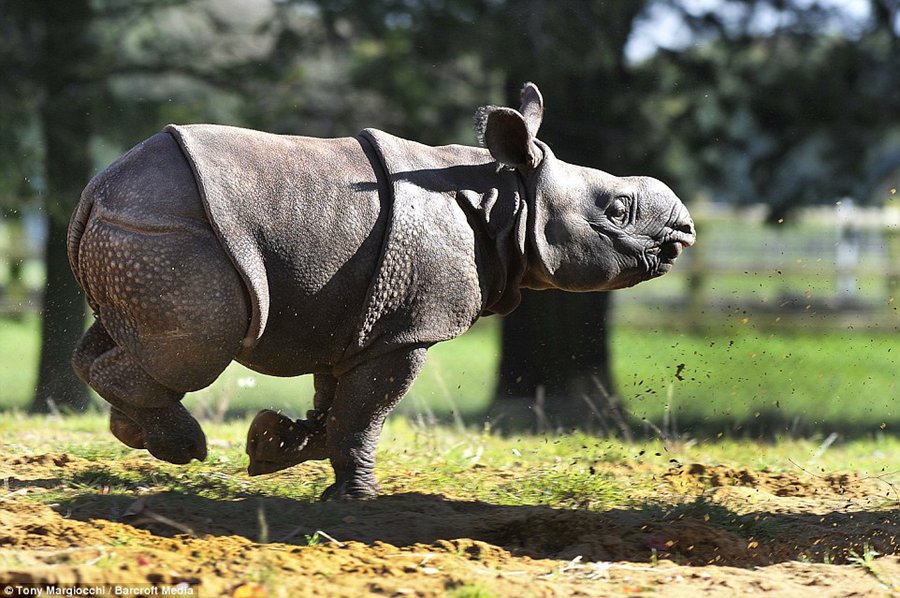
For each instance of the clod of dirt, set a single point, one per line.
(28, 467)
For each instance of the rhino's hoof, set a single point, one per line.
(177, 439)
(276, 442)
(359, 489)
(169, 433)
(178, 455)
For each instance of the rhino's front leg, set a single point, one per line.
(363, 398)
(325, 385)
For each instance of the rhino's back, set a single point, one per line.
(304, 222)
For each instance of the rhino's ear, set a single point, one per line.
(507, 136)
(532, 107)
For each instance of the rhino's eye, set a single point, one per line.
(618, 211)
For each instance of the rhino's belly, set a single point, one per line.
(318, 274)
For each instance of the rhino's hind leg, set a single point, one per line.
(95, 342)
(276, 442)
(166, 429)
(145, 414)
(172, 309)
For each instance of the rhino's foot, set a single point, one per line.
(168, 433)
(176, 436)
(356, 488)
(276, 442)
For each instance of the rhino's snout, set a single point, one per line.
(680, 233)
(683, 228)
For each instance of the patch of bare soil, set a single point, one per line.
(718, 531)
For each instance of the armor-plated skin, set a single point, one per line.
(346, 258)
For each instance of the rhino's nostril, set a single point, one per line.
(687, 232)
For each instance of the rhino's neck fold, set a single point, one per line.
(537, 185)
(500, 225)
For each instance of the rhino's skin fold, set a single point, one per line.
(346, 258)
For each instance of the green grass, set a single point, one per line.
(738, 376)
(470, 590)
(537, 490)
(867, 562)
(570, 470)
(19, 346)
(742, 373)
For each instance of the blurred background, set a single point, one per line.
(776, 121)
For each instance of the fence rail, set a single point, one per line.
(832, 265)
(841, 261)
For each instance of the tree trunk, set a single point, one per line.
(554, 368)
(62, 319)
(65, 53)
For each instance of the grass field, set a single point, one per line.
(738, 376)
(464, 514)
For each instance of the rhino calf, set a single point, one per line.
(345, 258)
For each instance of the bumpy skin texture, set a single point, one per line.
(346, 258)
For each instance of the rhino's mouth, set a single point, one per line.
(660, 258)
(655, 258)
(667, 253)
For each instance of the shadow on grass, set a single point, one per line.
(695, 533)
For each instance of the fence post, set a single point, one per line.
(697, 266)
(892, 249)
(847, 258)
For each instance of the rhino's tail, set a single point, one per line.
(78, 224)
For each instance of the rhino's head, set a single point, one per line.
(587, 230)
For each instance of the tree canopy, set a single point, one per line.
(775, 101)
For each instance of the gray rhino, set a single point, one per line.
(345, 258)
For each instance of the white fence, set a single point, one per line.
(829, 260)
(823, 259)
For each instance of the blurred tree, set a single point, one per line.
(555, 347)
(20, 156)
(62, 49)
(782, 102)
(69, 66)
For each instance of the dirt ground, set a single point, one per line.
(725, 532)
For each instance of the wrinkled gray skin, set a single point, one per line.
(346, 258)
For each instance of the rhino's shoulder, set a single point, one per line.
(448, 204)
